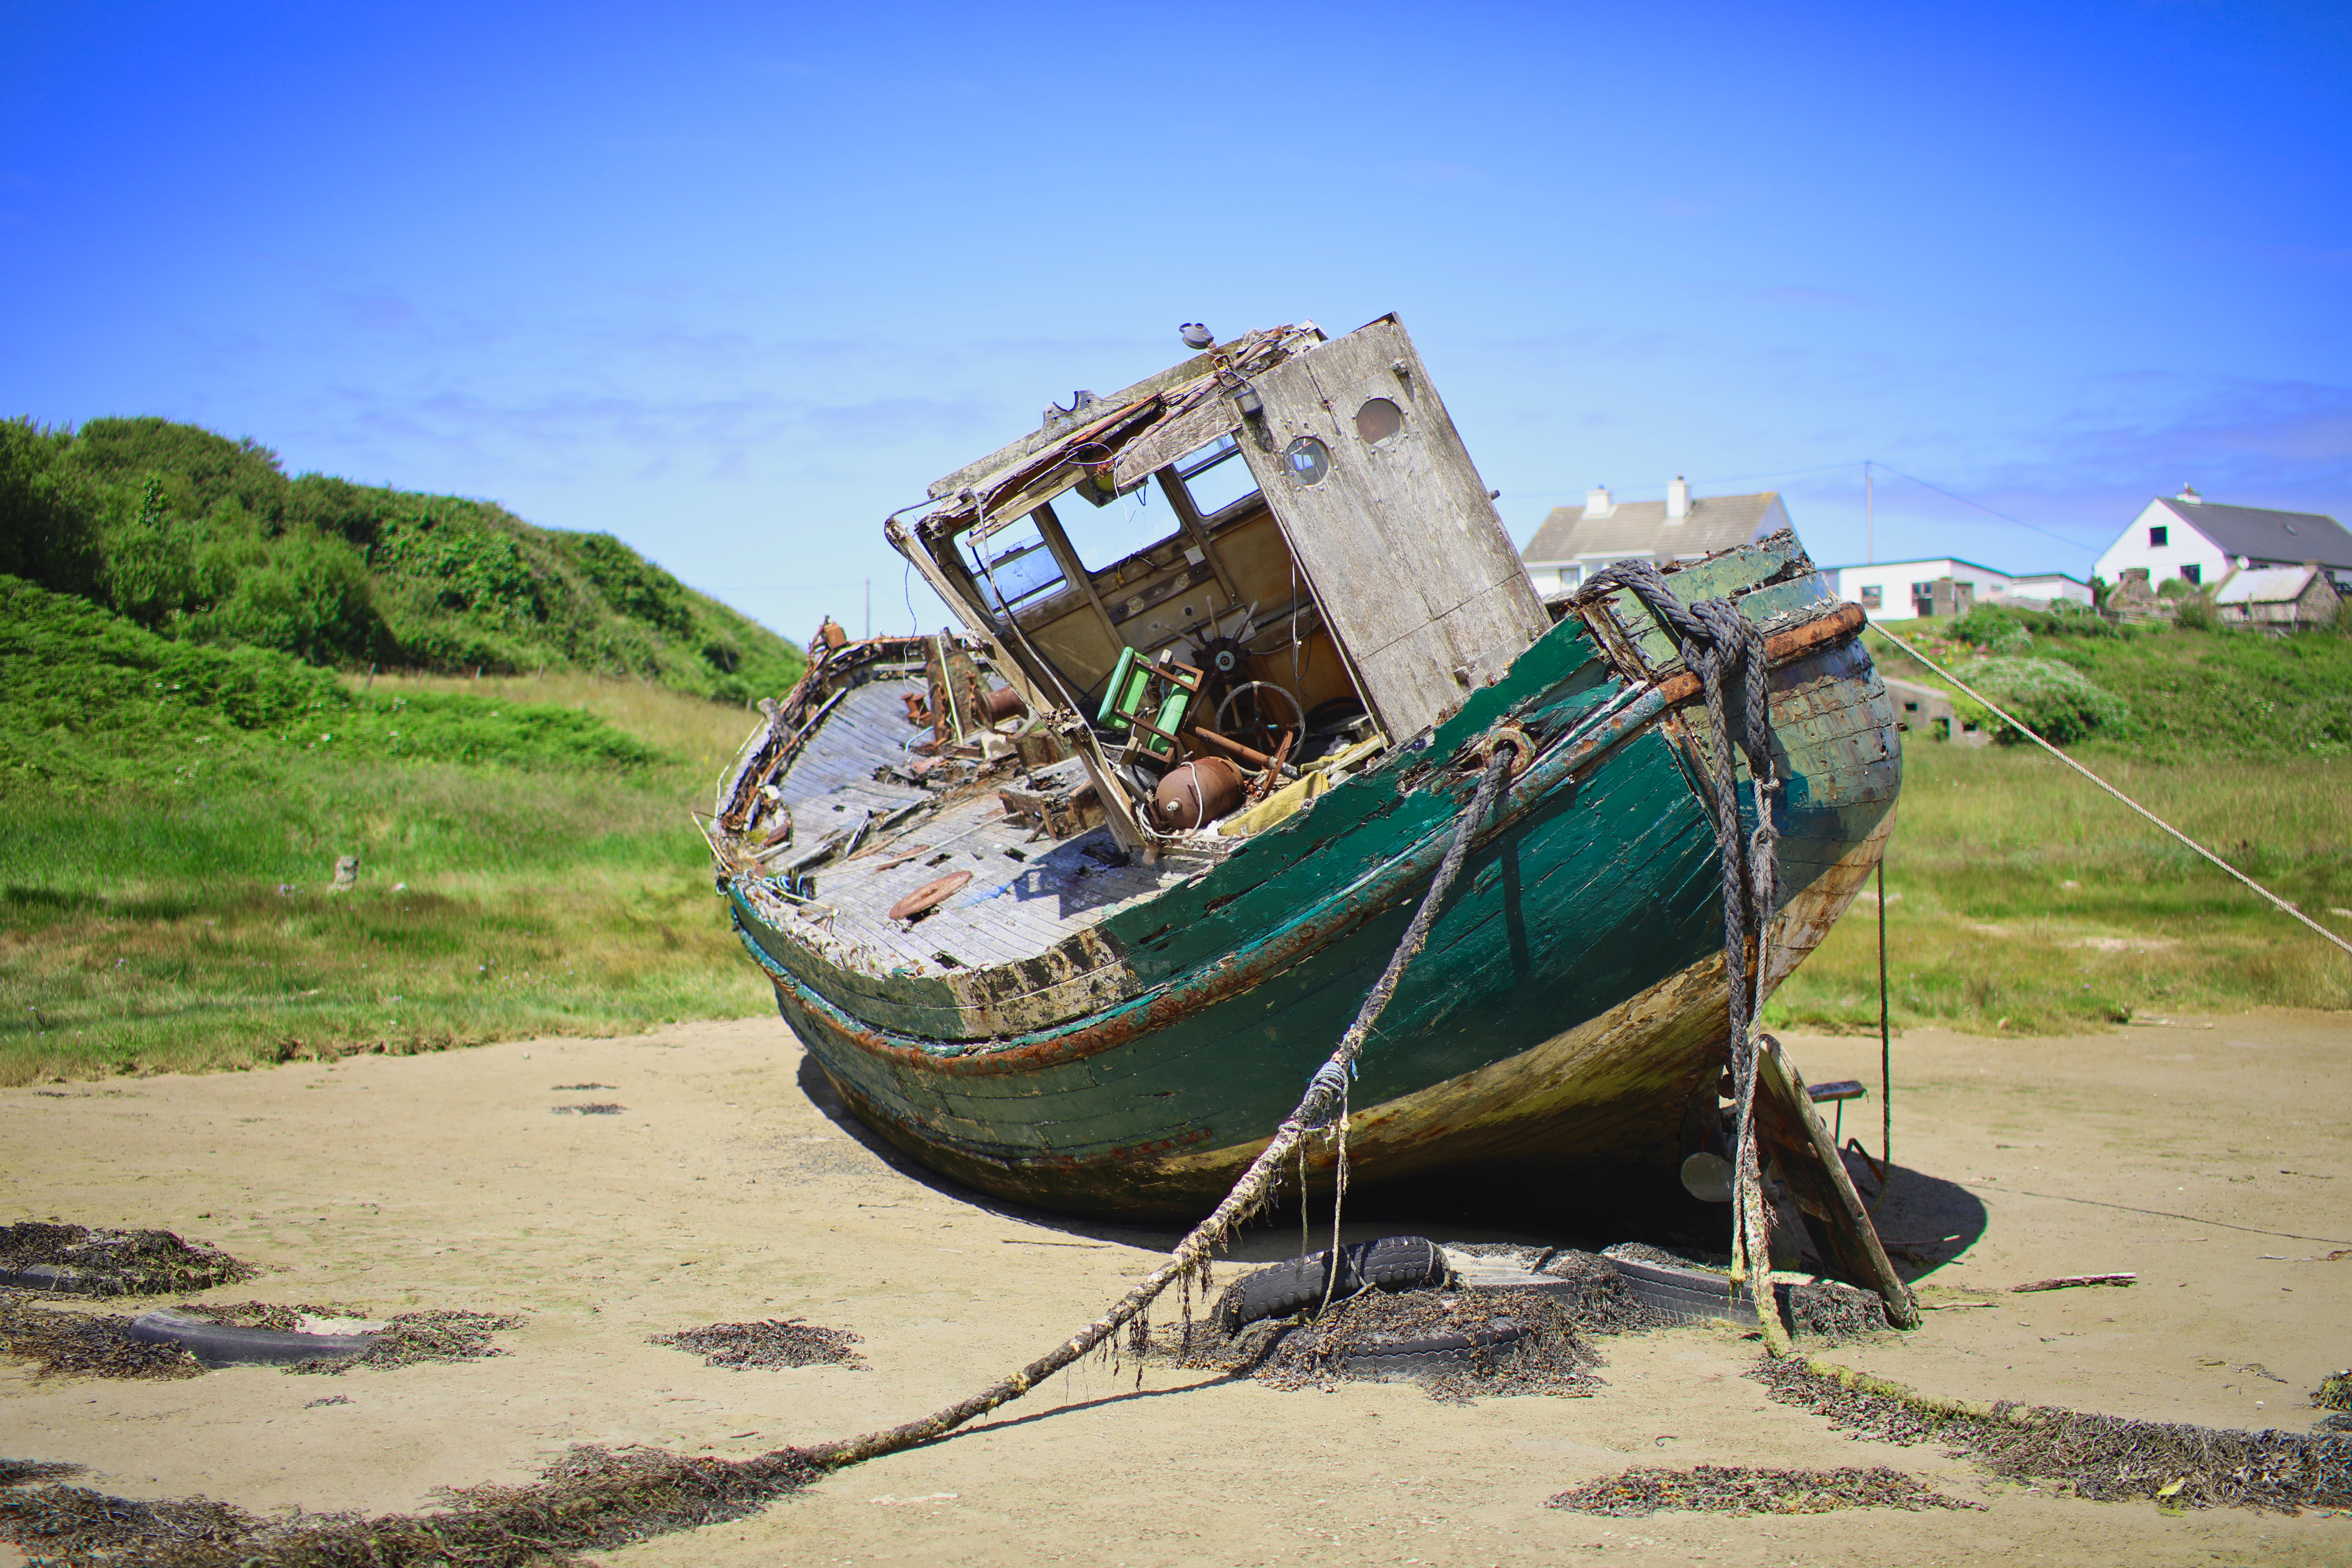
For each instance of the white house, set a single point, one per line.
(2188, 536)
(1574, 542)
(1905, 590)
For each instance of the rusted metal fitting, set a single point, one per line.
(1522, 745)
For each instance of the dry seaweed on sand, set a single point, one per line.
(1520, 1342)
(1742, 1488)
(118, 1262)
(85, 1528)
(65, 1343)
(28, 1472)
(2335, 1393)
(421, 1336)
(2103, 1457)
(777, 1341)
(1683, 1257)
(590, 1499)
(1835, 1312)
(590, 1108)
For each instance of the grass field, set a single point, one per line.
(2022, 900)
(174, 814)
(563, 891)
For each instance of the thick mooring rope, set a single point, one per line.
(1718, 642)
(1318, 1109)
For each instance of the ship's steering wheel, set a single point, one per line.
(1251, 706)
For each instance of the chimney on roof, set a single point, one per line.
(2188, 493)
(1678, 499)
(1597, 503)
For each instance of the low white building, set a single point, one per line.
(1945, 585)
(1574, 542)
(2189, 537)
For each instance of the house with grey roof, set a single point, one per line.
(1576, 542)
(2202, 541)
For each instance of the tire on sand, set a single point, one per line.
(218, 1344)
(1391, 1263)
(1427, 1355)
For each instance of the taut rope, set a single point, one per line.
(2284, 907)
(1326, 1093)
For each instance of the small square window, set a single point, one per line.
(2192, 573)
(1874, 597)
(2155, 537)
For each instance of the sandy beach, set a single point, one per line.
(2211, 1156)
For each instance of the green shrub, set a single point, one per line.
(198, 537)
(2061, 704)
(631, 584)
(1992, 629)
(311, 597)
(201, 470)
(46, 531)
(2195, 612)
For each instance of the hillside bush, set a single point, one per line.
(2061, 704)
(200, 538)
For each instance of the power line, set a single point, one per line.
(2019, 521)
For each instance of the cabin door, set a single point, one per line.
(1391, 525)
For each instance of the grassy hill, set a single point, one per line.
(2152, 690)
(203, 540)
(175, 811)
(216, 681)
(2022, 900)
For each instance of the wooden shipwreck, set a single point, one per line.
(1267, 588)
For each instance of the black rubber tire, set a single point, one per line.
(1682, 1295)
(1431, 1353)
(1691, 1295)
(217, 1344)
(1391, 1263)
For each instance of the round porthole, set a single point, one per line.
(1380, 422)
(1307, 461)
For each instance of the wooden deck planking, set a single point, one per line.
(1013, 909)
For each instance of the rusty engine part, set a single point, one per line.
(1195, 792)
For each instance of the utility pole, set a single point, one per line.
(1869, 516)
(869, 607)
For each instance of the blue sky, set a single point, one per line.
(734, 282)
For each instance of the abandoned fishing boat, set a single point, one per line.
(1068, 903)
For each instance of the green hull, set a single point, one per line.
(1565, 1018)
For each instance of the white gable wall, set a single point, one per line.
(2183, 546)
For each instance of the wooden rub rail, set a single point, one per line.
(1780, 648)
